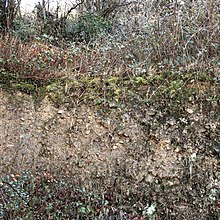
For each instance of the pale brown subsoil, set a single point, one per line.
(114, 149)
(78, 140)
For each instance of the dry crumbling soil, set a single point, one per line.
(144, 154)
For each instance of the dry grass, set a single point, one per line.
(34, 59)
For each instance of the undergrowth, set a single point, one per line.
(44, 196)
(28, 196)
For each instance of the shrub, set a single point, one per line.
(87, 27)
(24, 28)
(27, 196)
(171, 35)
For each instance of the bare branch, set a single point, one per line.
(109, 10)
(72, 8)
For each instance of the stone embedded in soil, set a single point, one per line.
(60, 111)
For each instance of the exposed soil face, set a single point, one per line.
(80, 141)
(141, 153)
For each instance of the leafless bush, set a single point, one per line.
(104, 8)
(176, 34)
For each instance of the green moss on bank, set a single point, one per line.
(114, 91)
